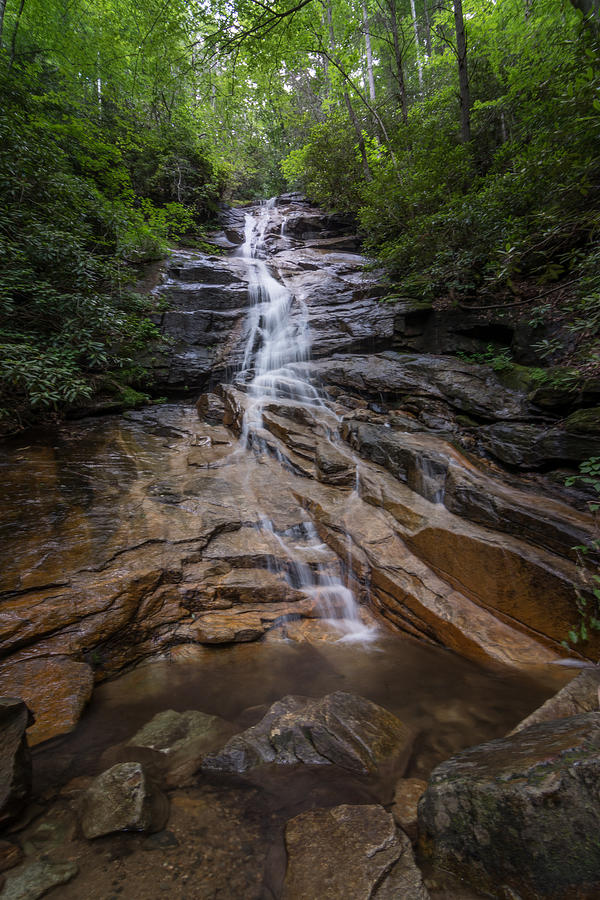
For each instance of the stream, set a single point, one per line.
(219, 562)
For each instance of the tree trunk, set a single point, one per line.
(369, 53)
(2, 9)
(13, 41)
(463, 75)
(355, 123)
(427, 28)
(398, 57)
(413, 13)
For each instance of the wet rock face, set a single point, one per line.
(123, 799)
(205, 298)
(129, 536)
(15, 759)
(521, 813)
(341, 729)
(354, 852)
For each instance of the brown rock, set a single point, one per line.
(354, 852)
(123, 799)
(580, 695)
(56, 688)
(10, 855)
(406, 800)
(333, 466)
(15, 758)
(210, 408)
(183, 739)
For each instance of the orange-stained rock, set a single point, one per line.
(407, 794)
(56, 690)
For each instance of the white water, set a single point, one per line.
(278, 344)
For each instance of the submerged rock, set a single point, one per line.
(15, 759)
(184, 739)
(354, 852)
(521, 813)
(36, 879)
(341, 729)
(123, 799)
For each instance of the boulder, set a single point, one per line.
(354, 852)
(340, 729)
(15, 759)
(37, 878)
(123, 799)
(183, 739)
(520, 814)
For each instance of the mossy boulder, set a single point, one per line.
(520, 814)
(584, 421)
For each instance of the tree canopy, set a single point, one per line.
(463, 137)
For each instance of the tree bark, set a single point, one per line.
(355, 123)
(463, 75)
(427, 28)
(369, 52)
(398, 57)
(413, 13)
(13, 40)
(2, 10)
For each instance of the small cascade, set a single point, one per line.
(277, 345)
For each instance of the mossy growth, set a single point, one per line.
(584, 421)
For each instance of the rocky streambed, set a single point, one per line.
(380, 494)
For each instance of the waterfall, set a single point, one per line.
(278, 343)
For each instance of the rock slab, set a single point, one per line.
(521, 813)
(15, 759)
(123, 799)
(354, 852)
(340, 729)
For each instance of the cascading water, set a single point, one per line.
(277, 345)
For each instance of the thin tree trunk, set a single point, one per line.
(413, 13)
(324, 59)
(355, 123)
(427, 28)
(2, 10)
(463, 75)
(369, 52)
(398, 56)
(13, 40)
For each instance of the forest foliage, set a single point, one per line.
(464, 138)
